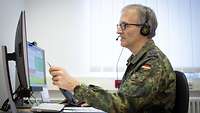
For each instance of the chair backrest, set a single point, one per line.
(182, 93)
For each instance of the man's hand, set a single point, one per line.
(62, 79)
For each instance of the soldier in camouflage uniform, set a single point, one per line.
(149, 83)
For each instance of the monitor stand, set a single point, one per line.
(8, 85)
(21, 98)
(13, 102)
(23, 104)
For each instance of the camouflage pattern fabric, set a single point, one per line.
(148, 86)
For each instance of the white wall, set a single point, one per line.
(56, 25)
(10, 12)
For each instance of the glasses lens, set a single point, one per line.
(121, 26)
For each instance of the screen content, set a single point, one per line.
(36, 63)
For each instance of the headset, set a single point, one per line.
(145, 29)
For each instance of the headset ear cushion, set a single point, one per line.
(145, 30)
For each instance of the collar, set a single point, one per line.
(134, 58)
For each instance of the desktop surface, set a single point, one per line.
(65, 110)
(55, 107)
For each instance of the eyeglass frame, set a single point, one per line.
(124, 25)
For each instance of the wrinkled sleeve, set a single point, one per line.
(99, 98)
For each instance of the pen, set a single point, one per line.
(49, 64)
(50, 67)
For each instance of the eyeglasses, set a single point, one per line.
(124, 25)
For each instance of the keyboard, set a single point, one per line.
(48, 107)
(82, 110)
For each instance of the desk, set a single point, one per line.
(66, 110)
(19, 111)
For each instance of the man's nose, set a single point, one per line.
(119, 30)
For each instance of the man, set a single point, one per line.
(149, 83)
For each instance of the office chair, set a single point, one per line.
(182, 93)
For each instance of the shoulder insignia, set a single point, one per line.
(146, 66)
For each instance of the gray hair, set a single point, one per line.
(145, 14)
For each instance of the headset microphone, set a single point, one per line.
(117, 38)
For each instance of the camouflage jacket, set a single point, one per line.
(148, 86)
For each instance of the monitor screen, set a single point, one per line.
(21, 53)
(36, 67)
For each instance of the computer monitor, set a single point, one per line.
(36, 67)
(20, 56)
